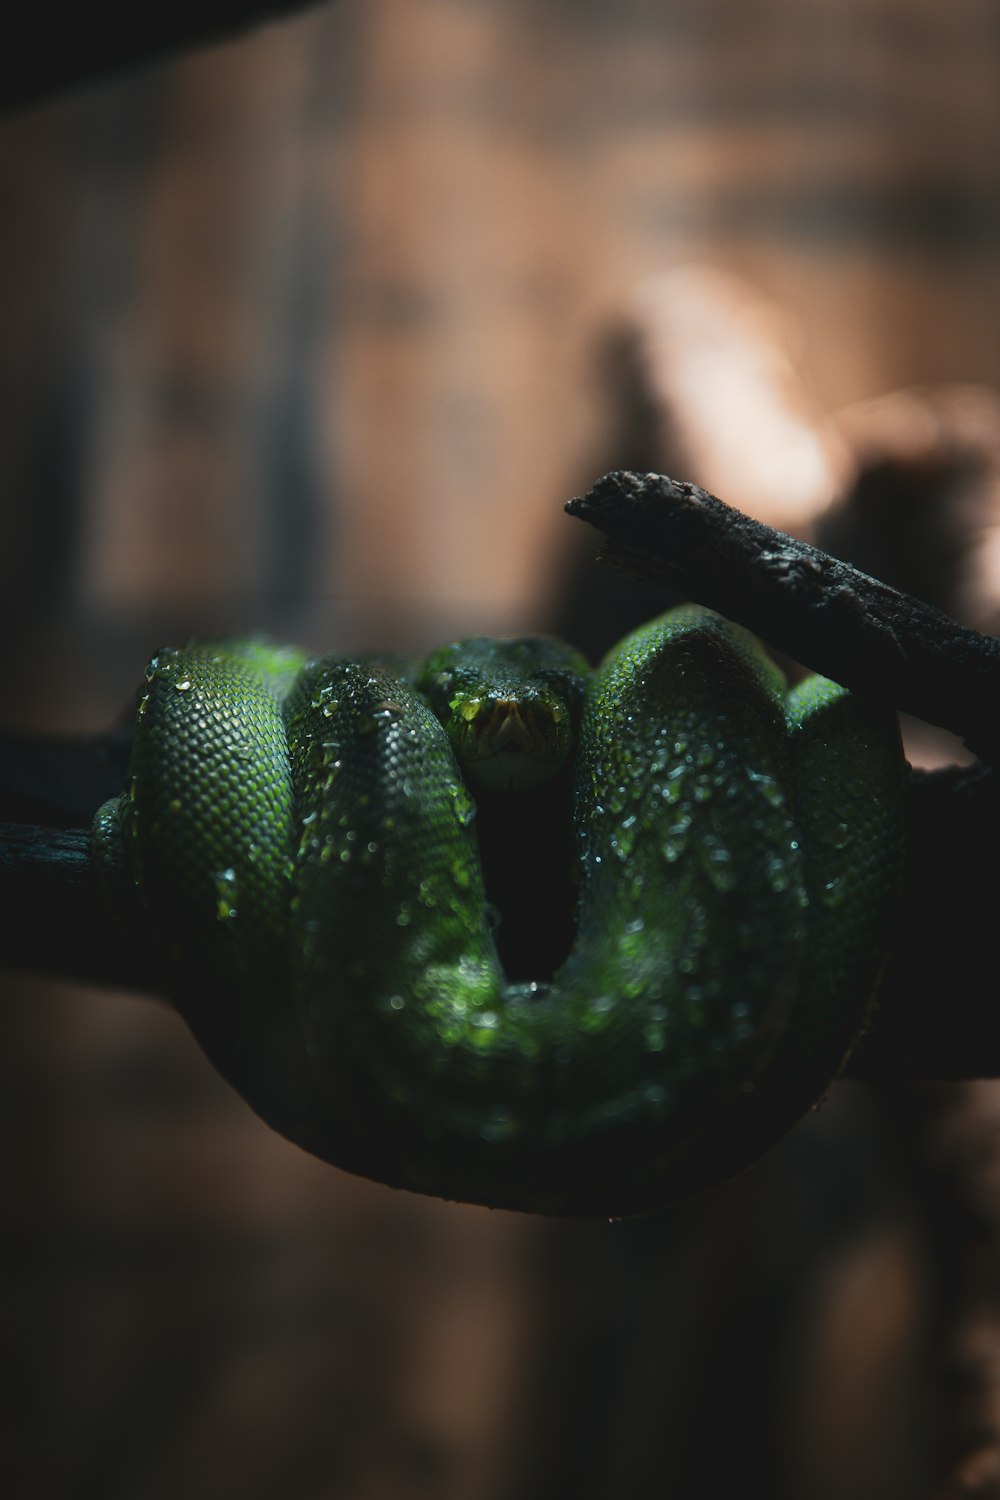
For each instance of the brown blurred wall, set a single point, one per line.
(300, 332)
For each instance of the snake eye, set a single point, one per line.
(467, 708)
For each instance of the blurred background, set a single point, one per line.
(315, 332)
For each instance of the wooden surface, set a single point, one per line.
(313, 332)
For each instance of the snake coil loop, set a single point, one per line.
(303, 845)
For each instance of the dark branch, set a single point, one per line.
(55, 921)
(58, 781)
(52, 49)
(822, 612)
(936, 1018)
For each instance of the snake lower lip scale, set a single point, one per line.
(307, 863)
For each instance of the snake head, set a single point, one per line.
(510, 707)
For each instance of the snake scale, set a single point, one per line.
(309, 844)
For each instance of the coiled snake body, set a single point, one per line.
(301, 838)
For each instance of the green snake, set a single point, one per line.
(325, 855)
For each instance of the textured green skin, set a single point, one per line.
(467, 682)
(303, 844)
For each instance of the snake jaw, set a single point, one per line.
(510, 743)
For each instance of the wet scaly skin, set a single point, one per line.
(303, 840)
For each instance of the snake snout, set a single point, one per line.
(513, 743)
(512, 727)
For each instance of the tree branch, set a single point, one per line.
(826, 614)
(55, 921)
(57, 48)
